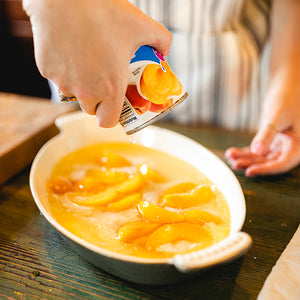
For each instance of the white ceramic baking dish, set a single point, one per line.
(78, 130)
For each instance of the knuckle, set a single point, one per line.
(88, 98)
(109, 90)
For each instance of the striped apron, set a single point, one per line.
(220, 53)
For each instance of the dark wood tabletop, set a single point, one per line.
(35, 262)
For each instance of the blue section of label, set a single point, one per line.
(145, 53)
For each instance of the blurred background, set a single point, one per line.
(18, 71)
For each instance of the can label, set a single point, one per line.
(152, 90)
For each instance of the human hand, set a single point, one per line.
(284, 155)
(276, 146)
(85, 48)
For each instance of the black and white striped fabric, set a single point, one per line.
(220, 54)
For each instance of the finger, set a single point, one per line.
(108, 113)
(276, 116)
(162, 41)
(279, 162)
(104, 96)
(88, 101)
(262, 141)
(244, 162)
(234, 152)
(62, 90)
(270, 167)
(238, 164)
(155, 35)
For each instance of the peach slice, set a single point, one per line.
(176, 87)
(110, 176)
(140, 104)
(60, 185)
(201, 217)
(182, 187)
(89, 184)
(200, 194)
(100, 199)
(156, 79)
(155, 83)
(141, 241)
(150, 174)
(154, 96)
(134, 230)
(125, 202)
(130, 185)
(112, 160)
(157, 108)
(171, 233)
(203, 192)
(180, 201)
(156, 214)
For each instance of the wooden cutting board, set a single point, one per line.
(26, 123)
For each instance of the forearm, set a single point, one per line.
(285, 40)
(282, 99)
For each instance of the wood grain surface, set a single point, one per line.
(35, 263)
(26, 123)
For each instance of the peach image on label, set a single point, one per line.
(158, 86)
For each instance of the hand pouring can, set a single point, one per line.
(153, 90)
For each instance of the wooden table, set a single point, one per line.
(35, 263)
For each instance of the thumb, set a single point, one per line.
(263, 139)
(276, 117)
(275, 121)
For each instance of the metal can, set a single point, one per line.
(153, 90)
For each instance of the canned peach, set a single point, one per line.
(152, 90)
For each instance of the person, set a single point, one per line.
(218, 49)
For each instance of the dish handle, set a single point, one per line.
(66, 122)
(225, 251)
